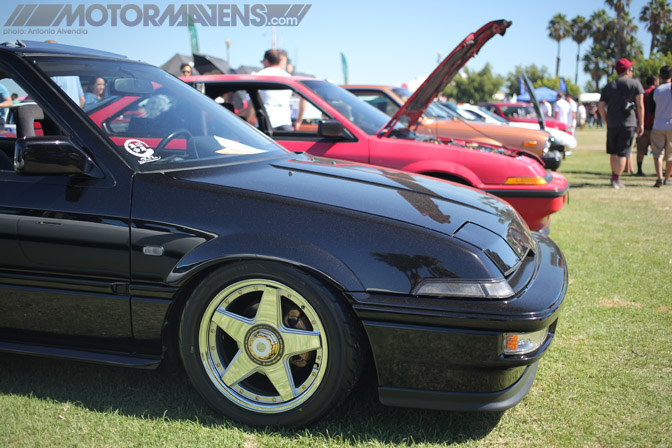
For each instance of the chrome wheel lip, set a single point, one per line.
(267, 325)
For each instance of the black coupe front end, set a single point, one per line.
(156, 222)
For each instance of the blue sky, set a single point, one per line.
(385, 42)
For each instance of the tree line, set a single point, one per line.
(612, 37)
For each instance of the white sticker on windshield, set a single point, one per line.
(232, 147)
(140, 149)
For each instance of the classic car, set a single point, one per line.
(159, 226)
(447, 125)
(521, 113)
(562, 137)
(332, 122)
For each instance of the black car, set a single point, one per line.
(155, 222)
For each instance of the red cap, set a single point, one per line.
(623, 64)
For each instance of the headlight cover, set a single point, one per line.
(471, 289)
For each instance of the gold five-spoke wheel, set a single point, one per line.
(262, 345)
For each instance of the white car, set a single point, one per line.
(562, 137)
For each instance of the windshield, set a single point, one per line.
(519, 111)
(363, 115)
(155, 121)
(484, 111)
(402, 93)
(462, 113)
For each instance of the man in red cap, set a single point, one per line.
(622, 97)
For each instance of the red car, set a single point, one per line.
(331, 122)
(521, 113)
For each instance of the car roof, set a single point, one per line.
(26, 47)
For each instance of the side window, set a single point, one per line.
(289, 112)
(20, 117)
(378, 101)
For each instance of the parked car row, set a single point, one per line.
(158, 225)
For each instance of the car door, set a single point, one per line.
(64, 267)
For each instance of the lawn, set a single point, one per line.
(606, 381)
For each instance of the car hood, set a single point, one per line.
(413, 199)
(443, 74)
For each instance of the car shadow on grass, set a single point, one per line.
(168, 395)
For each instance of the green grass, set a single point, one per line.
(605, 382)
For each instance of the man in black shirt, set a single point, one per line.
(622, 97)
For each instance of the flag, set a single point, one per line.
(344, 65)
(521, 85)
(563, 85)
(193, 36)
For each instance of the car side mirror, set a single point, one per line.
(332, 129)
(52, 155)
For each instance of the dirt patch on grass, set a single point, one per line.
(617, 303)
(664, 309)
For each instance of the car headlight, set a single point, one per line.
(472, 289)
(523, 343)
(538, 180)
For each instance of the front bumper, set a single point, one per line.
(446, 353)
(460, 401)
(552, 159)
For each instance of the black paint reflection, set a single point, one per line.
(419, 196)
(415, 267)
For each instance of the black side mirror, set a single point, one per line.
(332, 129)
(52, 155)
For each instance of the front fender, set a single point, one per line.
(449, 168)
(236, 247)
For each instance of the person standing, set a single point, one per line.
(571, 118)
(546, 108)
(561, 110)
(644, 141)
(661, 134)
(5, 102)
(581, 115)
(276, 102)
(618, 103)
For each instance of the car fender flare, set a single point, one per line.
(238, 247)
(431, 167)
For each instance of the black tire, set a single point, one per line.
(251, 371)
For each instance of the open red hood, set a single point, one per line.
(443, 74)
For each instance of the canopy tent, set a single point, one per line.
(542, 93)
(202, 65)
(589, 97)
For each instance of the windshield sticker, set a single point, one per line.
(232, 147)
(140, 149)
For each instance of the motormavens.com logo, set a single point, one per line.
(131, 15)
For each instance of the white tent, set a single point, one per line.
(589, 97)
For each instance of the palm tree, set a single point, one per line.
(579, 30)
(557, 30)
(599, 21)
(595, 63)
(632, 47)
(619, 7)
(656, 14)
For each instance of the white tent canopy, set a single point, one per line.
(589, 97)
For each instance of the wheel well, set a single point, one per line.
(449, 177)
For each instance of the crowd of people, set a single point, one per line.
(629, 110)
